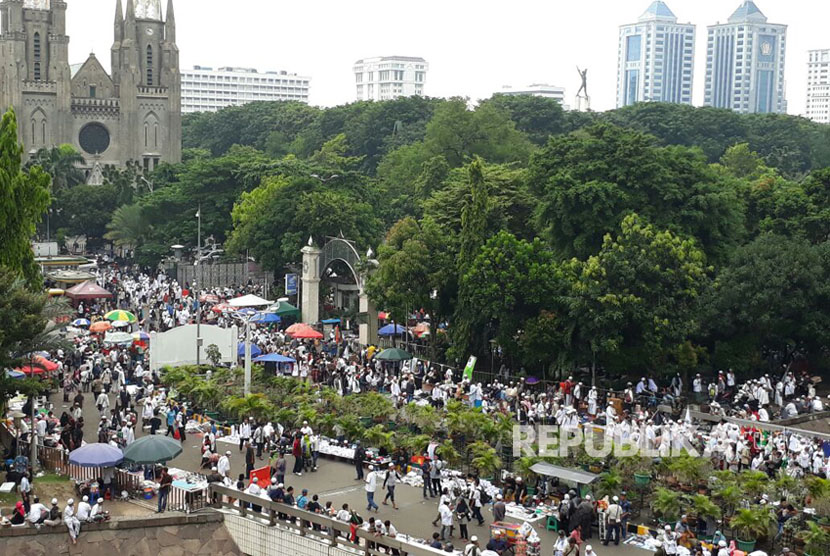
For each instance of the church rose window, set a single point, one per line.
(94, 138)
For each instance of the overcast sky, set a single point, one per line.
(473, 47)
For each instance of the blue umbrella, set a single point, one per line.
(15, 374)
(274, 358)
(255, 351)
(96, 455)
(266, 318)
(331, 321)
(392, 330)
(81, 322)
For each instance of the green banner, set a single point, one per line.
(471, 364)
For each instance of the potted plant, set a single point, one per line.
(705, 510)
(816, 539)
(447, 452)
(751, 524)
(753, 483)
(609, 483)
(667, 504)
(729, 496)
(485, 460)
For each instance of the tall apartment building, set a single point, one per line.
(655, 58)
(818, 86)
(208, 90)
(745, 63)
(390, 77)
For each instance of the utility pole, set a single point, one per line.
(196, 291)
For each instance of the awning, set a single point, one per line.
(565, 474)
(87, 290)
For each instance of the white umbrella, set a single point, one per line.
(118, 338)
(249, 301)
(120, 324)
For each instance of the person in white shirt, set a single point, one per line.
(669, 541)
(589, 550)
(72, 523)
(446, 521)
(38, 513)
(371, 487)
(472, 549)
(223, 466)
(84, 509)
(98, 513)
(343, 514)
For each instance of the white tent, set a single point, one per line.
(249, 301)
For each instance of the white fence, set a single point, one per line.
(178, 346)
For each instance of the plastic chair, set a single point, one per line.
(552, 524)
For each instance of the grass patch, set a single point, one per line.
(9, 498)
(51, 478)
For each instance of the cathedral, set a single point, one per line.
(131, 114)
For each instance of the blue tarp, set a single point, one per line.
(266, 318)
(274, 358)
(392, 330)
(255, 351)
(331, 321)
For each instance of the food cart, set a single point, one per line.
(521, 540)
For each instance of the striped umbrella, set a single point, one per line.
(81, 323)
(141, 336)
(120, 315)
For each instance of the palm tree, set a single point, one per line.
(128, 227)
(62, 163)
(485, 459)
(252, 405)
(753, 482)
(447, 452)
(667, 504)
(752, 524)
(730, 496)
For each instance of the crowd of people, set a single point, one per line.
(635, 414)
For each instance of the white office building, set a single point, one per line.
(390, 77)
(745, 63)
(536, 90)
(208, 90)
(818, 86)
(655, 61)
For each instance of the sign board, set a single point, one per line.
(291, 281)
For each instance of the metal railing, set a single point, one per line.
(324, 529)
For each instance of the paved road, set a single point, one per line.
(335, 481)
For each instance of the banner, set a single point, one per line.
(291, 284)
(263, 475)
(471, 364)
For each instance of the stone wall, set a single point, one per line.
(173, 535)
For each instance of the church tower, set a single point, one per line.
(34, 69)
(145, 71)
(133, 113)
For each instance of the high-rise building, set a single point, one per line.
(390, 77)
(818, 86)
(745, 63)
(655, 58)
(208, 90)
(132, 113)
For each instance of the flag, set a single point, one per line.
(471, 364)
(199, 213)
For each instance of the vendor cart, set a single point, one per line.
(521, 539)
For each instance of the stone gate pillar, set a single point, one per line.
(310, 288)
(368, 331)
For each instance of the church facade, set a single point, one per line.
(131, 114)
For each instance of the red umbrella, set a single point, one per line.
(307, 333)
(209, 298)
(222, 308)
(39, 366)
(296, 327)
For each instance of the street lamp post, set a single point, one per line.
(195, 291)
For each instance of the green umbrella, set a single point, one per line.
(284, 309)
(393, 354)
(152, 449)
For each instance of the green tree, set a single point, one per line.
(509, 283)
(769, 302)
(538, 117)
(636, 299)
(61, 163)
(24, 198)
(128, 227)
(588, 181)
